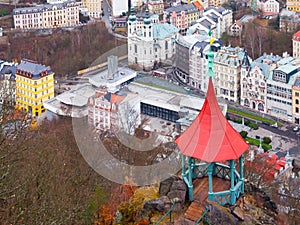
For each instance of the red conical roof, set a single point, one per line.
(210, 137)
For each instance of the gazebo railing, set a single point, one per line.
(221, 197)
(199, 170)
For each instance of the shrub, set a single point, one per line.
(267, 140)
(266, 147)
(253, 125)
(244, 134)
(238, 120)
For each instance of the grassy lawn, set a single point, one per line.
(254, 141)
(155, 86)
(252, 116)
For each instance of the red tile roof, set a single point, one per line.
(297, 34)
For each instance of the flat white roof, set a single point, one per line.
(78, 96)
(121, 76)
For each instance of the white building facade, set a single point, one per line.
(254, 82)
(227, 67)
(268, 7)
(217, 20)
(64, 14)
(153, 43)
(119, 7)
(279, 91)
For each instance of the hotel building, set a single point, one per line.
(34, 86)
(64, 14)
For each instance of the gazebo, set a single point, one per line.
(209, 147)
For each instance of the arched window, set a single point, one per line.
(261, 107)
(246, 102)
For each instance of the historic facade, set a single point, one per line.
(268, 7)
(296, 101)
(64, 14)
(153, 43)
(93, 8)
(103, 109)
(156, 6)
(289, 21)
(254, 82)
(228, 62)
(296, 45)
(34, 86)
(181, 16)
(279, 91)
(7, 82)
(214, 19)
(293, 5)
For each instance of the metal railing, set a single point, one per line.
(175, 200)
(203, 218)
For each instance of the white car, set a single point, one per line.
(296, 129)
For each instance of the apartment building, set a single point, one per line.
(235, 29)
(268, 7)
(93, 7)
(279, 91)
(293, 5)
(296, 45)
(254, 81)
(181, 16)
(222, 15)
(7, 82)
(190, 62)
(296, 101)
(215, 3)
(64, 14)
(103, 109)
(198, 62)
(34, 86)
(216, 20)
(156, 6)
(228, 62)
(289, 21)
(151, 44)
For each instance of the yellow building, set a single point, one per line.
(296, 101)
(293, 5)
(94, 7)
(34, 86)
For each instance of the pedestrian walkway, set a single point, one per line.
(279, 143)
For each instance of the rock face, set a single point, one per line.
(170, 190)
(159, 204)
(220, 215)
(239, 213)
(165, 186)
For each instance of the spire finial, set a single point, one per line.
(210, 57)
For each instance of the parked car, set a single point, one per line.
(296, 129)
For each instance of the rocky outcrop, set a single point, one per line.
(170, 190)
(239, 213)
(159, 204)
(220, 215)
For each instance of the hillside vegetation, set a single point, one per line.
(66, 51)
